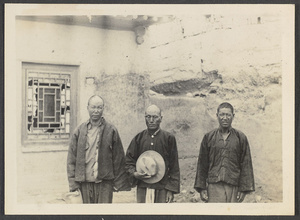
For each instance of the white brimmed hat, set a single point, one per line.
(73, 197)
(152, 163)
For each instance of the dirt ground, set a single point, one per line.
(187, 193)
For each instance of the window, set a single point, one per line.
(49, 102)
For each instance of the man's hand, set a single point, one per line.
(241, 196)
(203, 195)
(170, 196)
(141, 176)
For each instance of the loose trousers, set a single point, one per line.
(160, 195)
(97, 192)
(222, 192)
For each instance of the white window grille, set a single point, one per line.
(48, 104)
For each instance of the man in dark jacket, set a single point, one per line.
(153, 138)
(96, 159)
(224, 170)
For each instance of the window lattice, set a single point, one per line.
(48, 105)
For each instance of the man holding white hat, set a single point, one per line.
(152, 161)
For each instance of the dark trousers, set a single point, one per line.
(160, 195)
(97, 192)
(222, 192)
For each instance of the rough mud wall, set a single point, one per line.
(187, 119)
(125, 101)
(247, 60)
(184, 83)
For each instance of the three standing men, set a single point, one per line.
(97, 166)
(162, 142)
(224, 170)
(96, 158)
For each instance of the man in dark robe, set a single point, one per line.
(224, 170)
(154, 138)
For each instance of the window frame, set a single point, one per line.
(44, 67)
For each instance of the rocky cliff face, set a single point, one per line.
(242, 66)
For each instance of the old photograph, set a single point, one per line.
(188, 106)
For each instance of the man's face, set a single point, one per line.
(225, 117)
(153, 119)
(95, 108)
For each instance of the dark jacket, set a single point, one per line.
(165, 144)
(228, 162)
(111, 157)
